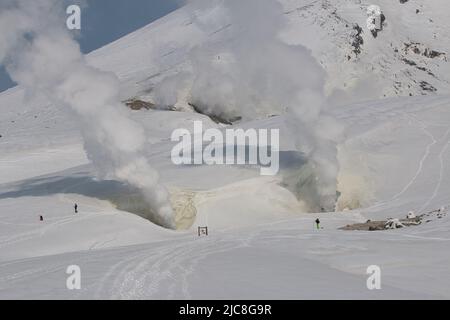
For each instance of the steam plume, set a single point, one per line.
(41, 56)
(252, 72)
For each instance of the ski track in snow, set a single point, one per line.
(419, 171)
(7, 241)
(422, 160)
(441, 172)
(143, 278)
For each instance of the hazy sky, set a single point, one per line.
(104, 21)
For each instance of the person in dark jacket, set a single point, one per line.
(318, 223)
(76, 208)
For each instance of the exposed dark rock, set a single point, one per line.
(368, 226)
(433, 53)
(409, 62)
(358, 40)
(397, 223)
(427, 87)
(420, 49)
(217, 118)
(136, 104)
(414, 64)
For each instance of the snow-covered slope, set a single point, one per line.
(397, 62)
(408, 57)
(262, 243)
(257, 230)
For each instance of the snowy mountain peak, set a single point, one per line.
(408, 55)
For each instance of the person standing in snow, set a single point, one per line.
(318, 223)
(76, 208)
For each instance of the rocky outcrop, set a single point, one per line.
(357, 38)
(136, 104)
(390, 224)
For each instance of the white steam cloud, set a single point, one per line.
(41, 56)
(252, 73)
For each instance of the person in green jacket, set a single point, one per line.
(318, 224)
